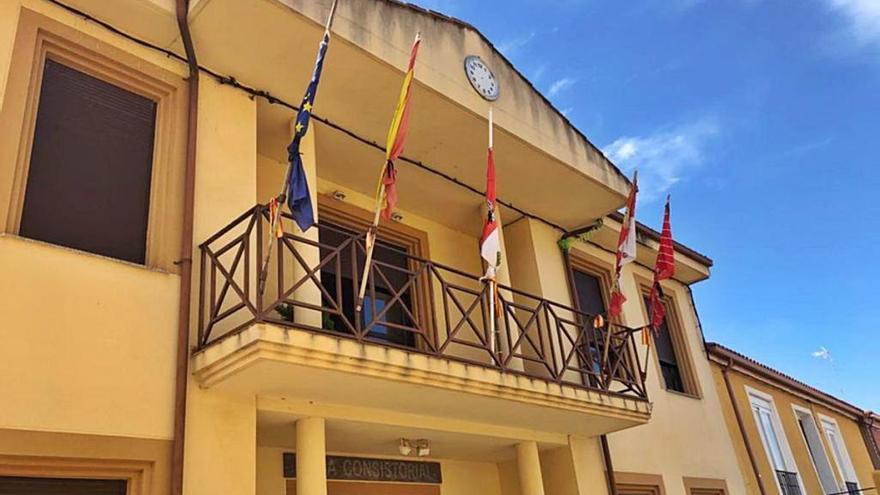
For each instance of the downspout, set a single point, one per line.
(740, 425)
(186, 251)
(609, 466)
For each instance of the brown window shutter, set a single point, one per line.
(88, 185)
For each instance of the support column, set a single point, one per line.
(311, 454)
(529, 466)
(221, 430)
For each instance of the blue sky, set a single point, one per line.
(762, 119)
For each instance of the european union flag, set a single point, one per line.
(299, 198)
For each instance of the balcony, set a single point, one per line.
(423, 324)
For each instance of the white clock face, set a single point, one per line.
(481, 77)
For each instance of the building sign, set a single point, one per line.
(369, 469)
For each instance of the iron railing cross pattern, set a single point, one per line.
(417, 305)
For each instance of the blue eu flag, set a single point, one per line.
(299, 198)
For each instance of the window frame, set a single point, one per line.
(39, 38)
(414, 240)
(697, 486)
(845, 467)
(677, 335)
(136, 473)
(580, 261)
(755, 395)
(642, 483)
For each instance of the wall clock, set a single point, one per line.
(481, 77)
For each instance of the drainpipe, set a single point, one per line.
(609, 466)
(742, 430)
(186, 251)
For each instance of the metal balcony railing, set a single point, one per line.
(412, 303)
(788, 482)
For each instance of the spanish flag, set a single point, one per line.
(396, 137)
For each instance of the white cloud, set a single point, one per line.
(560, 85)
(510, 47)
(567, 111)
(863, 19)
(664, 157)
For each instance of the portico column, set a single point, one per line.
(309, 292)
(529, 466)
(311, 464)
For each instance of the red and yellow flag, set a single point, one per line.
(397, 136)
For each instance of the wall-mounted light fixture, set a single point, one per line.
(421, 447)
(397, 217)
(339, 195)
(404, 447)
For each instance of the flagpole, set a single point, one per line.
(647, 341)
(493, 286)
(371, 240)
(282, 195)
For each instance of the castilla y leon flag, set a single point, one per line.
(626, 248)
(490, 244)
(664, 268)
(397, 136)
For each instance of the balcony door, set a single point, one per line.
(388, 302)
(590, 300)
(816, 450)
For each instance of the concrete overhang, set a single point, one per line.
(271, 361)
(545, 165)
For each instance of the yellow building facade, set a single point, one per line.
(791, 438)
(131, 181)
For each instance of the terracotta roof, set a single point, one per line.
(653, 234)
(722, 353)
(466, 25)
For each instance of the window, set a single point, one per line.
(89, 176)
(840, 454)
(666, 355)
(590, 300)
(773, 438)
(704, 486)
(638, 483)
(15, 485)
(388, 258)
(817, 451)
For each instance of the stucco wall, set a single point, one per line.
(784, 402)
(538, 266)
(88, 342)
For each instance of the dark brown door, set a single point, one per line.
(16, 485)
